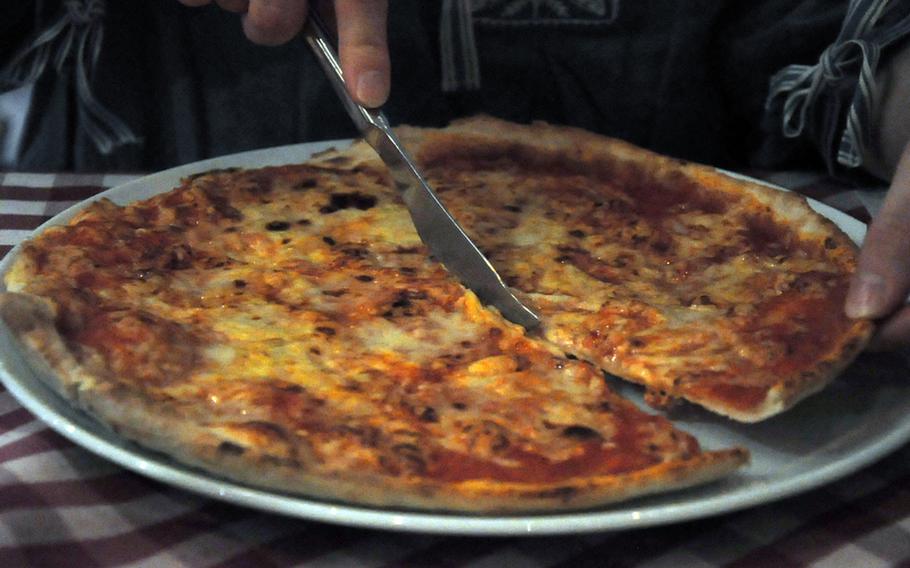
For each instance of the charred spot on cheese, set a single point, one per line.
(660, 246)
(304, 184)
(334, 293)
(326, 330)
(580, 432)
(577, 233)
(364, 278)
(355, 200)
(329, 241)
(429, 415)
(402, 303)
(277, 226)
(230, 448)
(354, 252)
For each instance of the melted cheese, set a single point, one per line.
(298, 308)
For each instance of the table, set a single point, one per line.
(62, 506)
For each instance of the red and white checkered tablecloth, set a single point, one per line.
(63, 506)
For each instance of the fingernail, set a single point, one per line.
(371, 88)
(866, 297)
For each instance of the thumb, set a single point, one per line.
(882, 277)
(363, 49)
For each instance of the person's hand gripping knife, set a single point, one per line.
(362, 38)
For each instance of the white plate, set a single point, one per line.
(862, 416)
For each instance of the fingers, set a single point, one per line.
(362, 37)
(273, 22)
(363, 49)
(266, 22)
(882, 278)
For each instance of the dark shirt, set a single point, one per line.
(687, 79)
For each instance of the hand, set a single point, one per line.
(362, 40)
(882, 280)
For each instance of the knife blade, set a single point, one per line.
(436, 227)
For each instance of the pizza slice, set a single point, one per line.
(696, 284)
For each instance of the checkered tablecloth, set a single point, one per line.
(62, 506)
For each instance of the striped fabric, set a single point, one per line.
(62, 506)
(460, 66)
(73, 41)
(834, 101)
(571, 13)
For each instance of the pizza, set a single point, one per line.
(286, 328)
(698, 285)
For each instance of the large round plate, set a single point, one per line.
(861, 417)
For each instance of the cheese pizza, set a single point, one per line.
(285, 327)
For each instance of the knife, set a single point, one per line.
(437, 228)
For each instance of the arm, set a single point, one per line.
(362, 43)
(882, 283)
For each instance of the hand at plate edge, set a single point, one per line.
(882, 281)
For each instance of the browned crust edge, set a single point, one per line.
(163, 428)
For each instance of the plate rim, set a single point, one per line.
(623, 516)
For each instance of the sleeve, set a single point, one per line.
(70, 40)
(829, 104)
